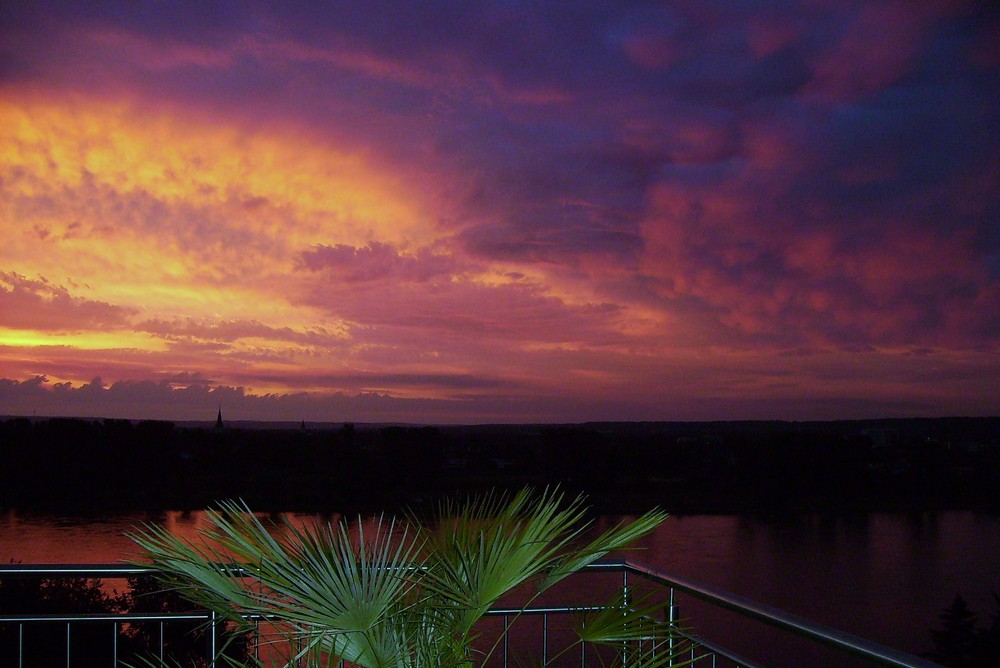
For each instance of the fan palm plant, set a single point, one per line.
(404, 594)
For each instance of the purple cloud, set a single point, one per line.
(378, 262)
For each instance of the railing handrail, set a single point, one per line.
(801, 626)
(847, 642)
(109, 617)
(77, 570)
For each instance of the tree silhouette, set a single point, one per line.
(45, 643)
(957, 643)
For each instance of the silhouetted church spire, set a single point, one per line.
(218, 420)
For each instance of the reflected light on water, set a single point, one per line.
(884, 576)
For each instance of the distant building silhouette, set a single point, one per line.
(881, 437)
(218, 421)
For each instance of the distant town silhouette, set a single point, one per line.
(684, 467)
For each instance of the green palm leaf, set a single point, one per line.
(487, 548)
(617, 538)
(635, 631)
(317, 586)
(399, 595)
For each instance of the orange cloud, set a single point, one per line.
(146, 216)
(209, 248)
(111, 187)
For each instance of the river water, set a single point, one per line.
(883, 576)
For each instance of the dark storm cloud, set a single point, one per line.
(375, 382)
(138, 399)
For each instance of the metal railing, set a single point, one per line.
(840, 640)
(115, 619)
(632, 573)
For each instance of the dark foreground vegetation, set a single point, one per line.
(686, 467)
(963, 641)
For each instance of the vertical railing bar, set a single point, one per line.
(506, 640)
(583, 648)
(625, 601)
(676, 586)
(211, 661)
(114, 645)
(545, 638)
(672, 621)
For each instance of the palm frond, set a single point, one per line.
(489, 547)
(317, 583)
(640, 637)
(617, 538)
(396, 594)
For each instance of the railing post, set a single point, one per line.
(675, 641)
(545, 638)
(506, 639)
(626, 595)
(256, 638)
(672, 616)
(212, 640)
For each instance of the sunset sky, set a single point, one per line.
(500, 212)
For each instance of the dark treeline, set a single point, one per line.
(77, 464)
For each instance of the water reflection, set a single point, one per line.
(884, 576)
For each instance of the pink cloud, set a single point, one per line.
(158, 54)
(462, 311)
(769, 35)
(378, 261)
(650, 50)
(430, 299)
(894, 283)
(220, 332)
(353, 58)
(39, 304)
(875, 49)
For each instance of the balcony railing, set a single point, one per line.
(703, 651)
